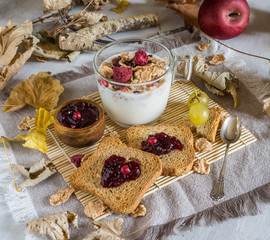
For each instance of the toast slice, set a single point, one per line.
(209, 129)
(176, 162)
(125, 198)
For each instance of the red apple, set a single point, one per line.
(223, 19)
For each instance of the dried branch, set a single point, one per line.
(83, 39)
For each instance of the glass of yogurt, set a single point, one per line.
(134, 77)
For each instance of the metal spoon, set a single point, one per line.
(230, 133)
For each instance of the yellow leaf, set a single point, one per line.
(121, 6)
(41, 90)
(36, 138)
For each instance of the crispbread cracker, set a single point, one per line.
(176, 162)
(125, 198)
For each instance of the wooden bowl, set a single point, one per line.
(80, 137)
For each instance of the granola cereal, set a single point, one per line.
(217, 59)
(61, 196)
(94, 209)
(202, 145)
(24, 124)
(144, 68)
(204, 46)
(140, 211)
(201, 166)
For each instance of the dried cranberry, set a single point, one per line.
(77, 159)
(140, 58)
(162, 145)
(78, 115)
(116, 171)
(122, 74)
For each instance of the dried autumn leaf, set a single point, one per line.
(231, 89)
(49, 50)
(9, 71)
(106, 230)
(214, 90)
(36, 138)
(216, 79)
(121, 6)
(85, 19)
(266, 106)
(55, 225)
(55, 5)
(41, 90)
(61, 196)
(38, 172)
(11, 37)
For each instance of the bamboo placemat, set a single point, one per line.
(60, 154)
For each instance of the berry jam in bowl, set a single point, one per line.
(134, 77)
(79, 122)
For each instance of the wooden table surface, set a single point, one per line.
(255, 40)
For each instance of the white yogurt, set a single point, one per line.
(129, 108)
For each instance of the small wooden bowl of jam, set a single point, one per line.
(79, 123)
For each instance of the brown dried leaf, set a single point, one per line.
(236, 100)
(216, 79)
(55, 225)
(41, 90)
(61, 196)
(24, 124)
(217, 59)
(266, 106)
(140, 211)
(94, 209)
(9, 71)
(214, 90)
(202, 145)
(85, 19)
(203, 46)
(42, 59)
(106, 230)
(11, 37)
(55, 5)
(201, 166)
(49, 50)
(38, 172)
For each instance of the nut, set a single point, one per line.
(94, 209)
(24, 124)
(201, 166)
(202, 145)
(204, 46)
(217, 59)
(114, 134)
(139, 211)
(61, 196)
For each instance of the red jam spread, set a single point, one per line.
(117, 170)
(78, 115)
(161, 143)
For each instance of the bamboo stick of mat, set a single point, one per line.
(83, 38)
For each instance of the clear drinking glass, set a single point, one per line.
(138, 103)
